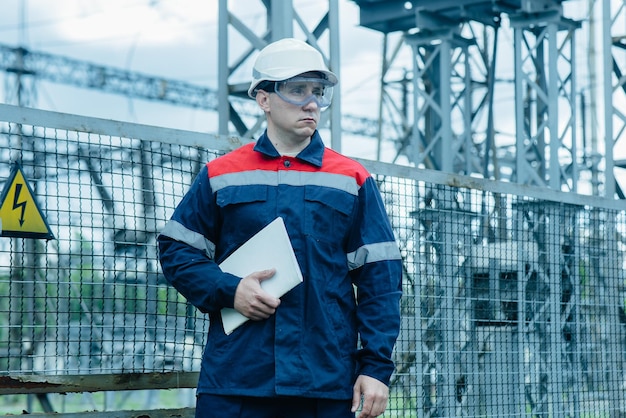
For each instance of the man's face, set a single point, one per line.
(285, 110)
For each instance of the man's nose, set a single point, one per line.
(312, 103)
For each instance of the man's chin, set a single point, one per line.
(307, 131)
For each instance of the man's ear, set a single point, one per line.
(263, 100)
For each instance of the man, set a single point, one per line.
(323, 349)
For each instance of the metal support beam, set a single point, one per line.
(442, 130)
(453, 46)
(545, 110)
(551, 293)
(614, 44)
(547, 151)
(446, 234)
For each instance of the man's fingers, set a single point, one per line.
(250, 298)
(373, 395)
(262, 306)
(356, 398)
(263, 274)
(266, 303)
(372, 407)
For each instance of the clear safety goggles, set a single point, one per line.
(302, 90)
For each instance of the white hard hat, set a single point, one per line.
(287, 58)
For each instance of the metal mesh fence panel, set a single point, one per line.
(513, 306)
(513, 297)
(92, 300)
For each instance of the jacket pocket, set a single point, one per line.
(241, 195)
(343, 328)
(327, 213)
(244, 211)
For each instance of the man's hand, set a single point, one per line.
(374, 393)
(251, 300)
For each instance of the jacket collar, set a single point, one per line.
(312, 154)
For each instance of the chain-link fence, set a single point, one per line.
(513, 302)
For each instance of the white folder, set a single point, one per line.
(268, 248)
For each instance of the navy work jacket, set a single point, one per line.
(341, 321)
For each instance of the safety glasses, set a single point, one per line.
(302, 90)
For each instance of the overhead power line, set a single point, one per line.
(91, 76)
(58, 69)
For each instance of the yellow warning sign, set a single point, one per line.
(19, 213)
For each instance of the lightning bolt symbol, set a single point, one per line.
(18, 190)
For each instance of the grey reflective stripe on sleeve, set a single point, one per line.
(370, 253)
(177, 231)
(292, 178)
